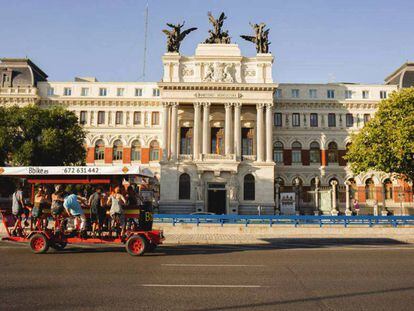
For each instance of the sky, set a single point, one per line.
(313, 41)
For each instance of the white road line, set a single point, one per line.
(206, 265)
(201, 285)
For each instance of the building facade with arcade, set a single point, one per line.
(222, 136)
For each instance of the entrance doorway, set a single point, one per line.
(217, 198)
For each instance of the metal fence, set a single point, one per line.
(272, 220)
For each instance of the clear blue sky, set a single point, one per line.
(312, 40)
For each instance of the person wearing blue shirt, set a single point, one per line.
(73, 207)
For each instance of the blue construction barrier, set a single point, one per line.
(294, 220)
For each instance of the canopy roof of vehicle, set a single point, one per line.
(32, 171)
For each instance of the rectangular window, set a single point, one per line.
(331, 120)
(138, 92)
(137, 117)
(50, 91)
(155, 92)
(383, 94)
(102, 91)
(278, 93)
(365, 94)
(84, 91)
(82, 118)
(118, 117)
(247, 141)
(313, 120)
(295, 93)
(367, 117)
(277, 119)
(67, 91)
(155, 118)
(348, 94)
(313, 93)
(349, 120)
(295, 119)
(101, 117)
(330, 94)
(120, 91)
(186, 140)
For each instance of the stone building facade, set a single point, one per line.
(221, 136)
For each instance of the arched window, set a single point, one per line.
(278, 152)
(315, 153)
(296, 152)
(369, 189)
(154, 151)
(135, 151)
(388, 189)
(117, 150)
(184, 187)
(99, 150)
(249, 188)
(332, 152)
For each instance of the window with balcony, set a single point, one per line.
(277, 119)
(84, 91)
(331, 120)
(278, 152)
(82, 117)
(103, 92)
(137, 117)
(296, 152)
(313, 120)
(295, 119)
(349, 120)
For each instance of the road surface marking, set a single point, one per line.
(206, 265)
(201, 285)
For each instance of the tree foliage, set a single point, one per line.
(386, 143)
(35, 136)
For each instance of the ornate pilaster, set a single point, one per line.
(348, 211)
(196, 135)
(269, 132)
(174, 129)
(206, 128)
(237, 130)
(164, 146)
(227, 128)
(259, 132)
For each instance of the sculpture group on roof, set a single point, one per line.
(217, 35)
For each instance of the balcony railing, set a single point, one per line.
(212, 156)
(185, 157)
(18, 91)
(249, 158)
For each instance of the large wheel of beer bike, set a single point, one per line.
(136, 245)
(39, 243)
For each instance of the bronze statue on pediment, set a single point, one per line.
(217, 35)
(261, 37)
(176, 36)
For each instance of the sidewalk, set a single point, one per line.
(263, 234)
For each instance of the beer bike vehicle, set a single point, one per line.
(138, 237)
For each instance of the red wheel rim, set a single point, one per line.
(136, 246)
(38, 244)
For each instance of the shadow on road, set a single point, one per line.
(271, 244)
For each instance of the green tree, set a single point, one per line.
(35, 136)
(386, 143)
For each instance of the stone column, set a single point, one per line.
(269, 133)
(164, 146)
(259, 132)
(348, 211)
(206, 129)
(277, 204)
(334, 211)
(237, 130)
(196, 134)
(316, 212)
(174, 129)
(227, 129)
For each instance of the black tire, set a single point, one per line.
(58, 246)
(136, 245)
(39, 244)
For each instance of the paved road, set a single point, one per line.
(284, 275)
